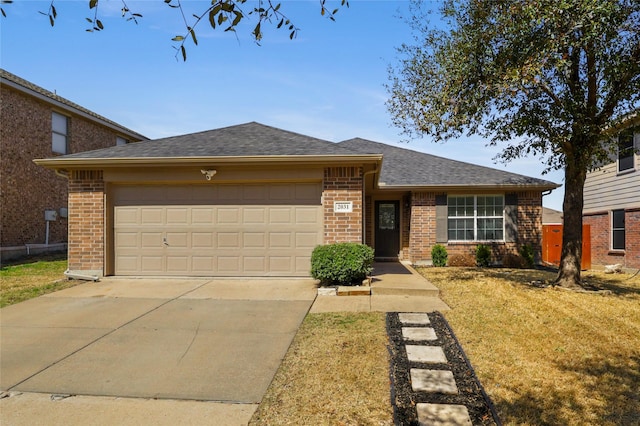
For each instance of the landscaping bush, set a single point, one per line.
(527, 254)
(439, 255)
(483, 255)
(341, 263)
(462, 260)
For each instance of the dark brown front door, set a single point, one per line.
(387, 234)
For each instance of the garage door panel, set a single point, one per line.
(254, 215)
(202, 264)
(178, 216)
(151, 240)
(202, 240)
(307, 239)
(201, 232)
(279, 215)
(254, 240)
(280, 240)
(254, 264)
(152, 264)
(228, 216)
(228, 264)
(282, 264)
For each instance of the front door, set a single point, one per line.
(387, 234)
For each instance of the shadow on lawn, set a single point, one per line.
(614, 382)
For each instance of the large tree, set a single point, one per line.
(549, 78)
(225, 15)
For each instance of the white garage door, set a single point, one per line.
(216, 230)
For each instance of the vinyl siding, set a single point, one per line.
(605, 189)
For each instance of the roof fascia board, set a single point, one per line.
(81, 163)
(442, 188)
(70, 108)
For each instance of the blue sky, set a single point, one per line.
(327, 83)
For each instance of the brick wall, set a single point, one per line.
(86, 221)
(27, 190)
(601, 253)
(342, 184)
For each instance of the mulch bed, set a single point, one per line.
(404, 399)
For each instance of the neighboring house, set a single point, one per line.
(35, 123)
(253, 200)
(612, 202)
(551, 216)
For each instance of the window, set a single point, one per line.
(121, 141)
(59, 134)
(475, 218)
(617, 230)
(625, 150)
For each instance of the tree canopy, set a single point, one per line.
(547, 78)
(225, 15)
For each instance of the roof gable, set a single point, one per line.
(404, 167)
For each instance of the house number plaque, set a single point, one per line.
(343, 207)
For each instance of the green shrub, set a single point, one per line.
(439, 255)
(341, 263)
(466, 260)
(483, 255)
(526, 251)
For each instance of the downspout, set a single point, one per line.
(364, 210)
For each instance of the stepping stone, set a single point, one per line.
(433, 381)
(422, 319)
(419, 333)
(443, 415)
(426, 354)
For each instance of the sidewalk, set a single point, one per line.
(396, 287)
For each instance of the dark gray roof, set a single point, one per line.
(27, 86)
(243, 140)
(405, 167)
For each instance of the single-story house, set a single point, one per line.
(254, 200)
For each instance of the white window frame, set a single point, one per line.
(476, 217)
(623, 229)
(632, 148)
(121, 141)
(58, 133)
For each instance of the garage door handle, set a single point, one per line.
(164, 241)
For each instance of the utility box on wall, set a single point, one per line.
(50, 215)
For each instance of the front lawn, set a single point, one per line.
(32, 278)
(549, 356)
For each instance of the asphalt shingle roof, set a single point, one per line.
(405, 167)
(243, 140)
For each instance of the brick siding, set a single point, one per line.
(601, 253)
(423, 228)
(342, 184)
(27, 190)
(86, 221)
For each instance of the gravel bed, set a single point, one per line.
(404, 399)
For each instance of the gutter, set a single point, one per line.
(83, 163)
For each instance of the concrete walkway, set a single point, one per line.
(395, 287)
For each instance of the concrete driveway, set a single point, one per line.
(174, 339)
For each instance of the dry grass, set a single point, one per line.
(336, 372)
(548, 356)
(32, 278)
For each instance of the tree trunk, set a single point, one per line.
(570, 260)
